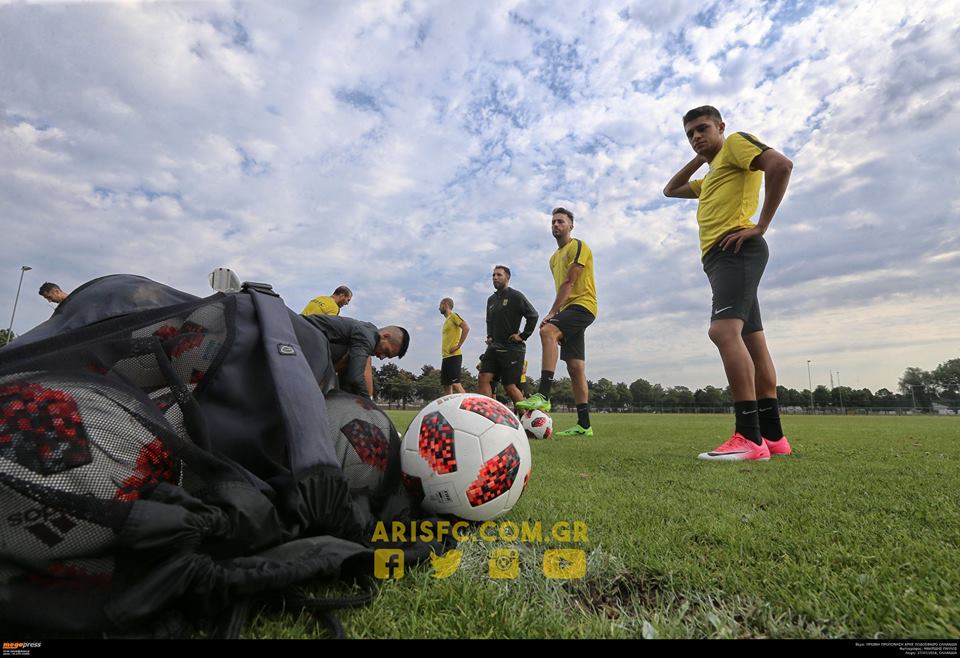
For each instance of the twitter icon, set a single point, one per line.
(447, 565)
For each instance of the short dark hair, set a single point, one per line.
(563, 211)
(447, 300)
(504, 268)
(48, 287)
(703, 111)
(403, 340)
(343, 290)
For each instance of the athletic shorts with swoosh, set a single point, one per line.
(734, 279)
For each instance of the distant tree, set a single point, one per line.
(678, 396)
(641, 391)
(6, 336)
(946, 379)
(821, 396)
(562, 392)
(842, 394)
(858, 397)
(428, 384)
(709, 396)
(623, 397)
(791, 397)
(603, 393)
(916, 384)
(395, 384)
(468, 380)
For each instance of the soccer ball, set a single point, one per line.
(466, 455)
(365, 442)
(537, 424)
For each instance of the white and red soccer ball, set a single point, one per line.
(466, 455)
(537, 424)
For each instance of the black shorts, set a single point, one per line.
(734, 279)
(450, 370)
(572, 322)
(506, 364)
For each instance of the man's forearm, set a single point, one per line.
(529, 326)
(563, 293)
(683, 176)
(775, 186)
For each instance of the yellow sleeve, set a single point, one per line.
(456, 319)
(696, 186)
(744, 147)
(583, 256)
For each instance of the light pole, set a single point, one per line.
(810, 384)
(23, 270)
(840, 391)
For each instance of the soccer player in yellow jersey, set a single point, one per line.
(452, 337)
(331, 305)
(734, 256)
(562, 330)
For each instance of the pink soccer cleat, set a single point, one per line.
(737, 448)
(779, 447)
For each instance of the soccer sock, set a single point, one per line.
(583, 415)
(748, 421)
(769, 412)
(546, 382)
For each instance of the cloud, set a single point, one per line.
(404, 148)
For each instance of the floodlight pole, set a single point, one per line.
(840, 391)
(23, 270)
(810, 384)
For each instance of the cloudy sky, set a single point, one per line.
(404, 148)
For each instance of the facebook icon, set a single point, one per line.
(388, 563)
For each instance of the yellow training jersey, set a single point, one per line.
(321, 306)
(450, 334)
(584, 291)
(730, 192)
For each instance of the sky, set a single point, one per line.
(405, 148)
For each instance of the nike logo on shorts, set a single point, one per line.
(722, 309)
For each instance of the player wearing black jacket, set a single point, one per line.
(506, 345)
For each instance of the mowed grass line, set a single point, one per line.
(855, 535)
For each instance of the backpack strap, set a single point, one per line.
(301, 400)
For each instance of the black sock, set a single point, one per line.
(583, 415)
(748, 421)
(769, 412)
(546, 382)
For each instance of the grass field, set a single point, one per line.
(855, 535)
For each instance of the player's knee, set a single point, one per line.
(549, 332)
(720, 333)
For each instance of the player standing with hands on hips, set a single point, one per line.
(734, 256)
(562, 330)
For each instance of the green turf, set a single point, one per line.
(855, 535)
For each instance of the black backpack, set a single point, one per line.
(160, 452)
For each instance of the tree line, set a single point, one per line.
(917, 388)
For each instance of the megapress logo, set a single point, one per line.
(20, 648)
